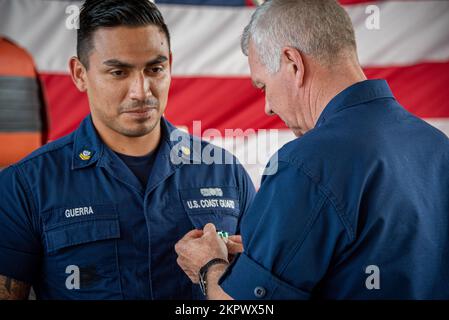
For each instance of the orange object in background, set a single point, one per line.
(15, 146)
(22, 108)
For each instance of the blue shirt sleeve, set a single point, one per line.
(290, 235)
(20, 246)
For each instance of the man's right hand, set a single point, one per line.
(11, 289)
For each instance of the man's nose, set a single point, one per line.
(140, 88)
(268, 110)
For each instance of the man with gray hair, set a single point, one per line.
(358, 208)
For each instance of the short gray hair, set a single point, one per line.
(319, 28)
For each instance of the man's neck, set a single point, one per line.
(131, 146)
(330, 85)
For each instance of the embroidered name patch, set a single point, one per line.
(211, 198)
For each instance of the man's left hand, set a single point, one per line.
(197, 248)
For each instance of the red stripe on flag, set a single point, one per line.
(249, 3)
(66, 105)
(421, 88)
(224, 103)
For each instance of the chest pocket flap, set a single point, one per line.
(69, 227)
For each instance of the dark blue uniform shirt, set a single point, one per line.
(76, 223)
(141, 166)
(358, 209)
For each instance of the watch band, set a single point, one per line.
(203, 273)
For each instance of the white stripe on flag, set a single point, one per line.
(206, 39)
(440, 123)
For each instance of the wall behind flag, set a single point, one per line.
(405, 42)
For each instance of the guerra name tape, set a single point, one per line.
(76, 212)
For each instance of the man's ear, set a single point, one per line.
(78, 73)
(171, 61)
(293, 61)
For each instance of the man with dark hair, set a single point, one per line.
(103, 14)
(96, 214)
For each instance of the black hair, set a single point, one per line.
(96, 14)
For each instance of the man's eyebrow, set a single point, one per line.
(117, 63)
(121, 64)
(159, 59)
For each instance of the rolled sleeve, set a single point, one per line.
(247, 280)
(18, 265)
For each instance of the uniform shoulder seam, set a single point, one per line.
(57, 145)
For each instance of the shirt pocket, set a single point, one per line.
(217, 205)
(81, 260)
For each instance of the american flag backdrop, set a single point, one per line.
(404, 42)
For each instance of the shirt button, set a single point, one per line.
(260, 292)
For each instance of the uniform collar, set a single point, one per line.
(358, 93)
(89, 149)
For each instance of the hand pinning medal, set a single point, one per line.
(223, 235)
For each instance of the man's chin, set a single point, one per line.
(297, 132)
(140, 130)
